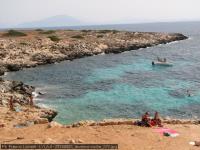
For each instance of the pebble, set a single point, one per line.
(72, 141)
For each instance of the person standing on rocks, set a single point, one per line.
(11, 106)
(1, 103)
(31, 101)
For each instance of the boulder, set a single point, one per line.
(54, 124)
(41, 121)
(48, 114)
(72, 141)
(22, 88)
(13, 67)
(48, 141)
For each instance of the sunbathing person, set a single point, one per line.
(146, 121)
(156, 121)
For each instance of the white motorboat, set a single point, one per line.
(159, 63)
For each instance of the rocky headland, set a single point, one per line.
(24, 49)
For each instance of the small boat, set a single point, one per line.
(159, 63)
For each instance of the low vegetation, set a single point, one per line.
(48, 32)
(108, 31)
(86, 31)
(23, 43)
(54, 38)
(40, 30)
(77, 37)
(14, 33)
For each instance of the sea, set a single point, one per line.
(124, 85)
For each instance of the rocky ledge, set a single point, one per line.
(44, 47)
(122, 121)
(24, 113)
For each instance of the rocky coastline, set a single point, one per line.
(24, 114)
(38, 48)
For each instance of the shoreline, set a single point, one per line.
(37, 48)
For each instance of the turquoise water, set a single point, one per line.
(122, 85)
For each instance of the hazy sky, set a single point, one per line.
(99, 11)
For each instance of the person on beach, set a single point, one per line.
(31, 100)
(146, 121)
(11, 106)
(1, 102)
(156, 121)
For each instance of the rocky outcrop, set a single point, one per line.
(24, 114)
(49, 114)
(20, 91)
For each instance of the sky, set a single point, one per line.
(13, 12)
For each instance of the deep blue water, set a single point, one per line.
(124, 85)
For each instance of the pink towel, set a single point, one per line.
(163, 130)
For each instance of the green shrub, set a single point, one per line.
(54, 38)
(39, 30)
(14, 33)
(86, 31)
(23, 43)
(77, 37)
(108, 31)
(48, 32)
(115, 31)
(104, 31)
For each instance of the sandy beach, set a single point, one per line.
(126, 136)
